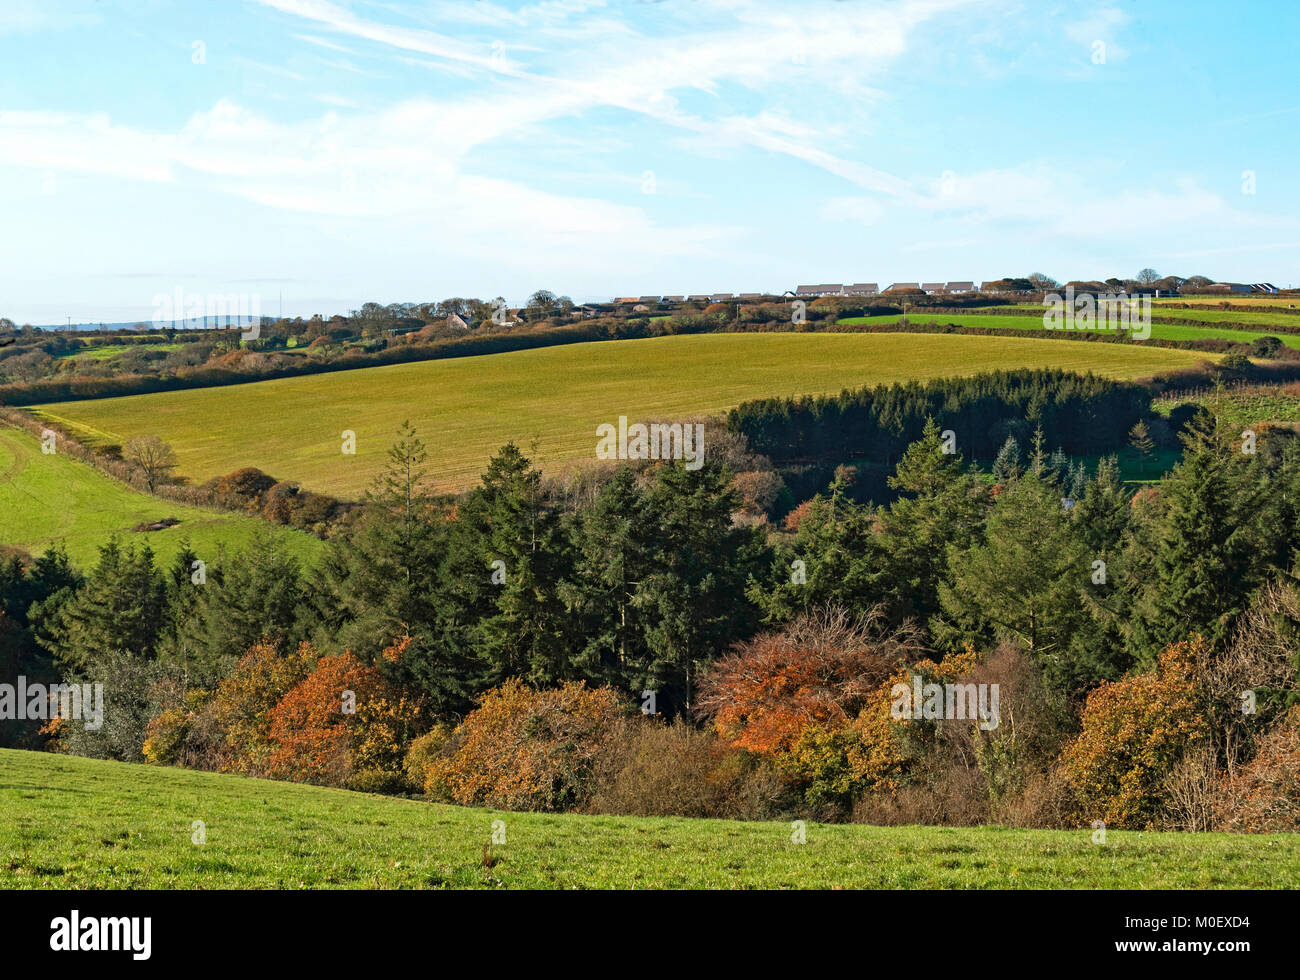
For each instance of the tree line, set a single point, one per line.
(644, 584)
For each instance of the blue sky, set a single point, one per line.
(338, 151)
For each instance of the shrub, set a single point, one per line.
(420, 757)
(523, 749)
(836, 766)
(1192, 791)
(1045, 801)
(1026, 743)
(131, 697)
(1264, 797)
(1265, 347)
(243, 487)
(241, 709)
(1236, 362)
(174, 737)
(1261, 657)
(1134, 731)
(321, 735)
(817, 672)
(278, 502)
(657, 769)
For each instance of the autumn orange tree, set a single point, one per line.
(837, 763)
(1134, 731)
(241, 708)
(818, 671)
(344, 724)
(525, 749)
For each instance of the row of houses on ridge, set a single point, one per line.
(956, 288)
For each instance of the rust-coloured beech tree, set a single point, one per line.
(820, 670)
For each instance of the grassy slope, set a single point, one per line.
(1280, 317)
(44, 499)
(468, 407)
(1159, 331)
(1281, 302)
(106, 351)
(1242, 407)
(80, 823)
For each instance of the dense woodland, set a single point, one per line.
(624, 643)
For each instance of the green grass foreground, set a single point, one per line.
(467, 408)
(48, 499)
(80, 823)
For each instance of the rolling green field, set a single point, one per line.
(466, 408)
(48, 499)
(1242, 406)
(1210, 316)
(79, 823)
(1159, 331)
(105, 351)
(1281, 302)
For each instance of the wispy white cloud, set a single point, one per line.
(320, 42)
(28, 16)
(270, 69)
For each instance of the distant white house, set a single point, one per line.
(961, 287)
(932, 288)
(861, 289)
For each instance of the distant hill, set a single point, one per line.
(149, 325)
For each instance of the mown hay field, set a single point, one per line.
(994, 321)
(553, 398)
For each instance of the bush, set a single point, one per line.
(1235, 362)
(241, 709)
(344, 725)
(1046, 801)
(177, 737)
(243, 487)
(131, 697)
(1134, 732)
(420, 758)
(1265, 347)
(523, 749)
(1264, 797)
(655, 769)
(817, 672)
